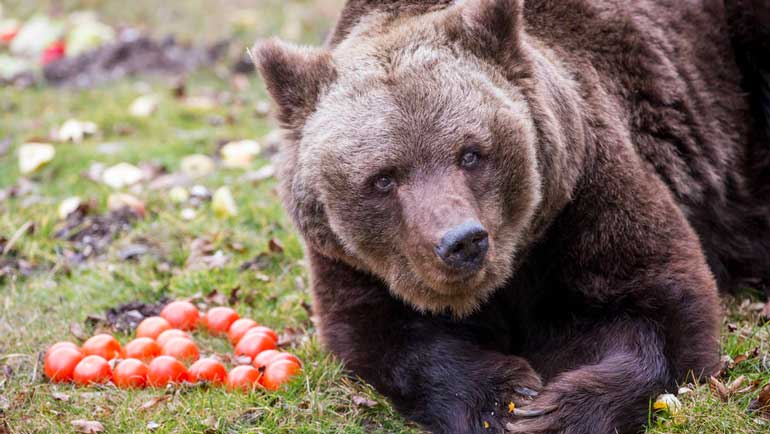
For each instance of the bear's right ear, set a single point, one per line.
(295, 77)
(488, 27)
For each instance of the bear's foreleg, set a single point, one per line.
(426, 365)
(611, 395)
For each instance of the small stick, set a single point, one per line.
(16, 236)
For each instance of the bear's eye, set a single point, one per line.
(384, 183)
(470, 159)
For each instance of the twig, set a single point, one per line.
(16, 236)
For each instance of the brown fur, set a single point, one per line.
(617, 177)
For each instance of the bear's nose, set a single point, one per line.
(464, 246)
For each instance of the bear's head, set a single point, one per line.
(412, 153)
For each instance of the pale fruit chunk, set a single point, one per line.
(68, 206)
(240, 154)
(667, 402)
(144, 106)
(197, 165)
(178, 194)
(223, 203)
(122, 175)
(75, 131)
(33, 156)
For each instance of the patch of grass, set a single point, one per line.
(38, 310)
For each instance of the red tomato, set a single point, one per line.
(103, 345)
(278, 373)
(181, 314)
(239, 328)
(271, 356)
(92, 370)
(219, 319)
(253, 344)
(152, 327)
(63, 344)
(144, 349)
(60, 363)
(244, 378)
(8, 35)
(53, 52)
(164, 370)
(171, 334)
(130, 373)
(264, 330)
(209, 370)
(181, 349)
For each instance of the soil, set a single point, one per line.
(91, 235)
(126, 317)
(130, 55)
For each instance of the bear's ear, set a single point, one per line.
(488, 27)
(295, 77)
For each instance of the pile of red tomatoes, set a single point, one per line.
(163, 348)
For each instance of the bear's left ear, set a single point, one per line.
(488, 27)
(295, 77)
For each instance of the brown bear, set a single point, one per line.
(528, 201)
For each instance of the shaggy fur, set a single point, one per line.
(623, 166)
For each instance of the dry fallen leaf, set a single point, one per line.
(275, 246)
(118, 201)
(363, 401)
(736, 384)
(122, 175)
(201, 258)
(87, 426)
(719, 388)
(153, 402)
(77, 331)
(762, 403)
(60, 396)
(33, 156)
(260, 174)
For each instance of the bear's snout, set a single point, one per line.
(464, 247)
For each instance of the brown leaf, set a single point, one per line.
(87, 426)
(363, 401)
(60, 396)
(201, 258)
(762, 403)
(215, 298)
(736, 384)
(234, 295)
(77, 331)
(275, 246)
(154, 402)
(290, 337)
(719, 388)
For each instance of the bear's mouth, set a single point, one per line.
(443, 281)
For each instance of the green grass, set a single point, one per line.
(39, 309)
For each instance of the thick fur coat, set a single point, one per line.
(612, 158)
